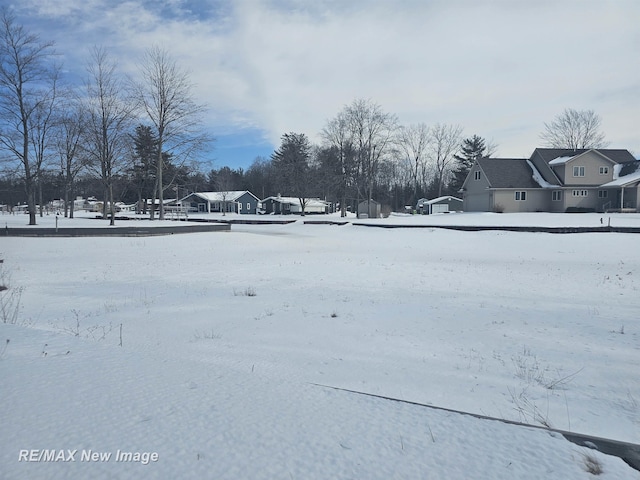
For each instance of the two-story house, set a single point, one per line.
(555, 180)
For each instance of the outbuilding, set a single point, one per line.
(444, 204)
(369, 209)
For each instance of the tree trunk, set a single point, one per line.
(72, 192)
(31, 202)
(40, 196)
(160, 183)
(66, 200)
(112, 220)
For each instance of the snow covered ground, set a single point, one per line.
(224, 336)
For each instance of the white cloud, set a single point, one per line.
(499, 68)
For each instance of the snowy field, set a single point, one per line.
(224, 337)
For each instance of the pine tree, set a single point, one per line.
(471, 149)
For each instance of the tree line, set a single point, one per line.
(139, 140)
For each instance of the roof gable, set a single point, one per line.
(508, 172)
(615, 155)
(228, 196)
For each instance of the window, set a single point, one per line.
(578, 171)
(556, 195)
(580, 193)
(476, 175)
(521, 196)
(239, 206)
(248, 206)
(604, 170)
(603, 193)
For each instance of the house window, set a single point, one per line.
(248, 206)
(578, 171)
(521, 196)
(580, 193)
(603, 193)
(239, 206)
(476, 175)
(604, 170)
(556, 195)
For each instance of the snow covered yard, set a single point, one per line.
(225, 334)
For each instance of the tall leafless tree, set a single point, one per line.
(27, 74)
(42, 124)
(413, 145)
(337, 136)
(164, 93)
(70, 129)
(372, 132)
(109, 117)
(574, 129)
(445, 142)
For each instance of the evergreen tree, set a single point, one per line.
(471, 150)
(142, 173)
(292, 164)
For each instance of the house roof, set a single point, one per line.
(508, 172)
(628, 173)
(311, 202)
(616, 155)
(230, 196)
(424, 201)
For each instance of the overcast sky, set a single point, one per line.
(500, 69)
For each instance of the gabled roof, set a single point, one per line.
(508, 172)
(616, 155)
(424, 201)
(310, 202)
(628, 174)
(229, 196)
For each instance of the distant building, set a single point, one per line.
(369, 209)
(237, 201)
(555, 180)
(280, 205)
(439, 205)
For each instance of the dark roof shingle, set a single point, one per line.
(508, 173)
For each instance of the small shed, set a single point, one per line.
(369, 209)
(444, 204)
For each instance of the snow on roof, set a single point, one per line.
(230, 196)
(424, 201)
(561, 160)
(310, 202)
(538, 178)
(624, 180)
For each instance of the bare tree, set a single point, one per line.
(70, 131)
(337, 136)
(574, 129)
(372, 131)
(42, 124)
(445, 141)
(224, 185)
(109, 118)
(26, 79)
(413, 144)
(165, 96)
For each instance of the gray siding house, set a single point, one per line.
(555, 180)
(237, 201)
